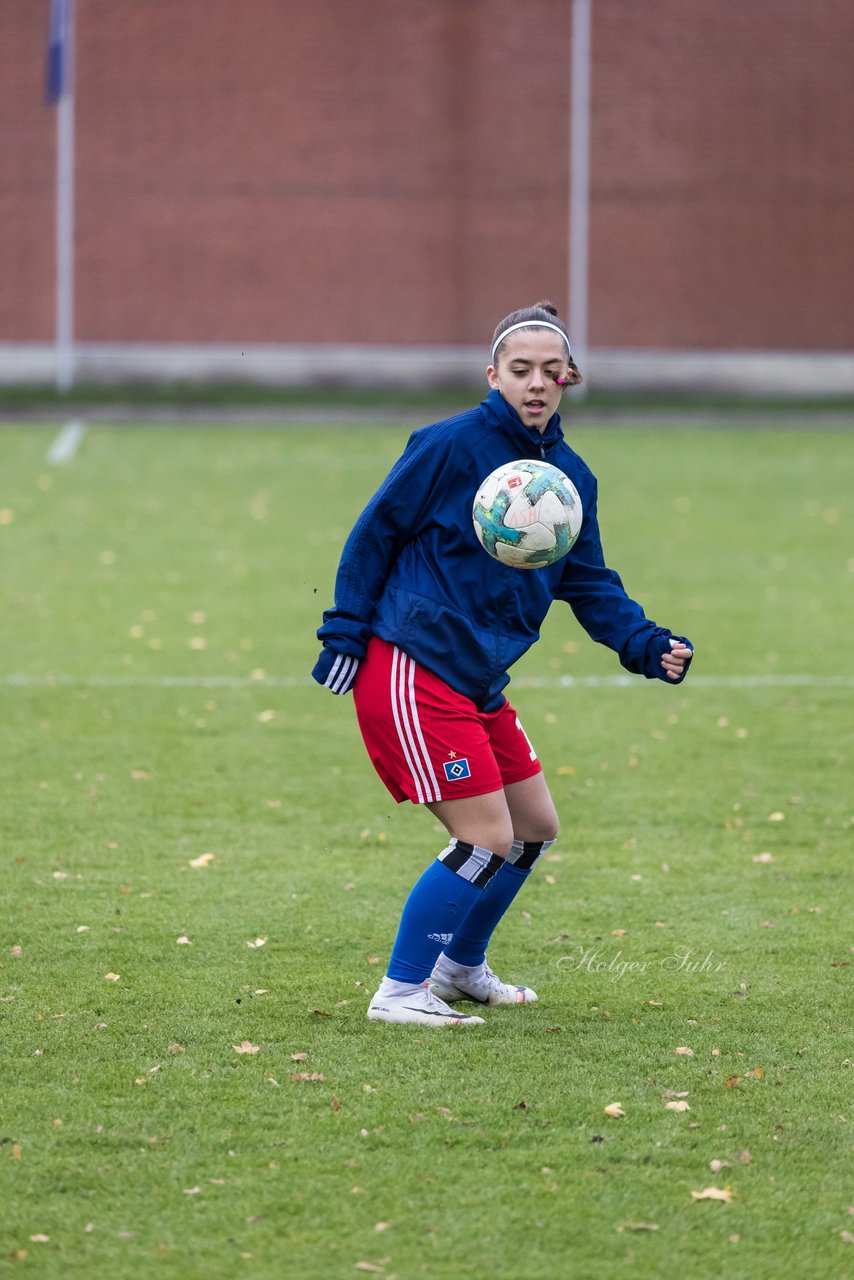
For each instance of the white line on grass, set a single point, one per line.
(129, 681)
(66, 443)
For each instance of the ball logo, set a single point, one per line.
(527, 514)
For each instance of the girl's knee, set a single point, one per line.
(497, 840)
(540, 831)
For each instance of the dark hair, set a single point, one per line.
(543, 312)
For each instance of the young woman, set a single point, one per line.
(424, 627)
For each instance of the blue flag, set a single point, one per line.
(57, 50)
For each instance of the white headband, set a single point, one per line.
(530, 324)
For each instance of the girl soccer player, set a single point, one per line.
(424, 627)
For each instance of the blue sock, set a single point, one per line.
(439, 901)
(472, 937)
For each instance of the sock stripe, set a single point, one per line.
(470, 861)
(524, 853)
(492, 866)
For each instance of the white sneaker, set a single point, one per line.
(421, 1007)
(451, 981)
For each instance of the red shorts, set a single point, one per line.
(428, 742)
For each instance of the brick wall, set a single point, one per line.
(391, 172)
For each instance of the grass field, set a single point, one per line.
(160, 595)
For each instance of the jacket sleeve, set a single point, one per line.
(608, 614)
(390, 520)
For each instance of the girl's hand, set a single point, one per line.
(676, 660)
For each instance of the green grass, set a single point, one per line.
(160, 562)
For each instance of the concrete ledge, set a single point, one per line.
(786, 373)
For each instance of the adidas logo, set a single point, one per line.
(444, 938)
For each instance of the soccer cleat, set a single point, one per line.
(451, 982)
(420, 1008)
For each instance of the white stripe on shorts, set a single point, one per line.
(405, 712)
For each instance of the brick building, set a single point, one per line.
(388, 173)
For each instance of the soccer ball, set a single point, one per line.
(527, 514)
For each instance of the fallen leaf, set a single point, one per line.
(16, 950)
(685, 1051)
(614, 1110)
(259, 942)
(677, 1106)
(83, 928)
(175, 1048)
(638, 1226)
(762, 857)
(271, 1080)
(776, 817)
(713, 1193)
(744, 1156)
(335, 1104)
(299, 1057)
(381, 1226)
(619, 933)
(245, 1046)
(192, 1191)
(368, 1266)
(309, 1075)
(203, 860)
(112, 977)
(39, 1239)
(732, 1082)
(17, 1151)
(140, 775)
(675, 1093)
(183, 941)
(717, 1165)
(847, 1236)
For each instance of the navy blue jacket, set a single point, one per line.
(413, 572)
